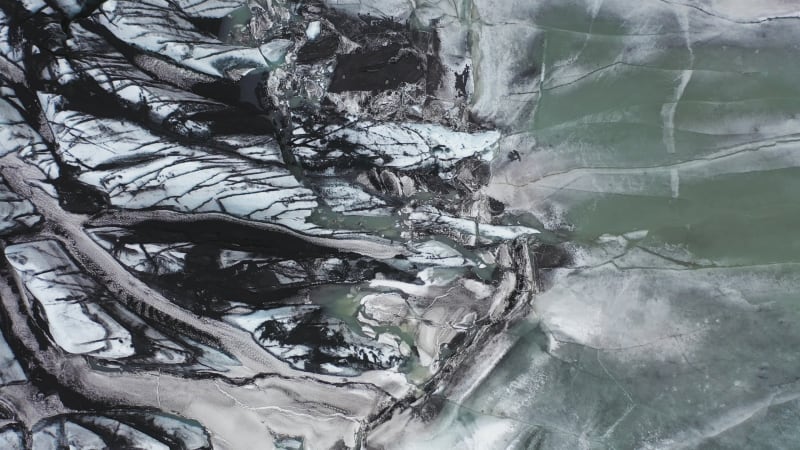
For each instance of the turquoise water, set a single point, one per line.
(660, 142)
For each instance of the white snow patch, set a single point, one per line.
(313, 30)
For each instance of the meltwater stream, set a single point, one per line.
(659, 140)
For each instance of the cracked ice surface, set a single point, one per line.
(77, 323)
(407, 146)
(655, 142)
(16, 212)
(192, 193)
(158, 26)
(145, 430)
(660, 139)
(302, 334)
(83, 319)
(137, 170)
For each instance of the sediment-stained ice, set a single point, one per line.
(12, 438)
(10, 370)
(16, 212)
(15, 133)
(268, 279)
(160, 27)
(234, 224)
(137, 170)
(84, 319)
(76, 321)
(407, 146)
(208, 8)
(146, 430)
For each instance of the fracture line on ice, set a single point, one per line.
(668, 109)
